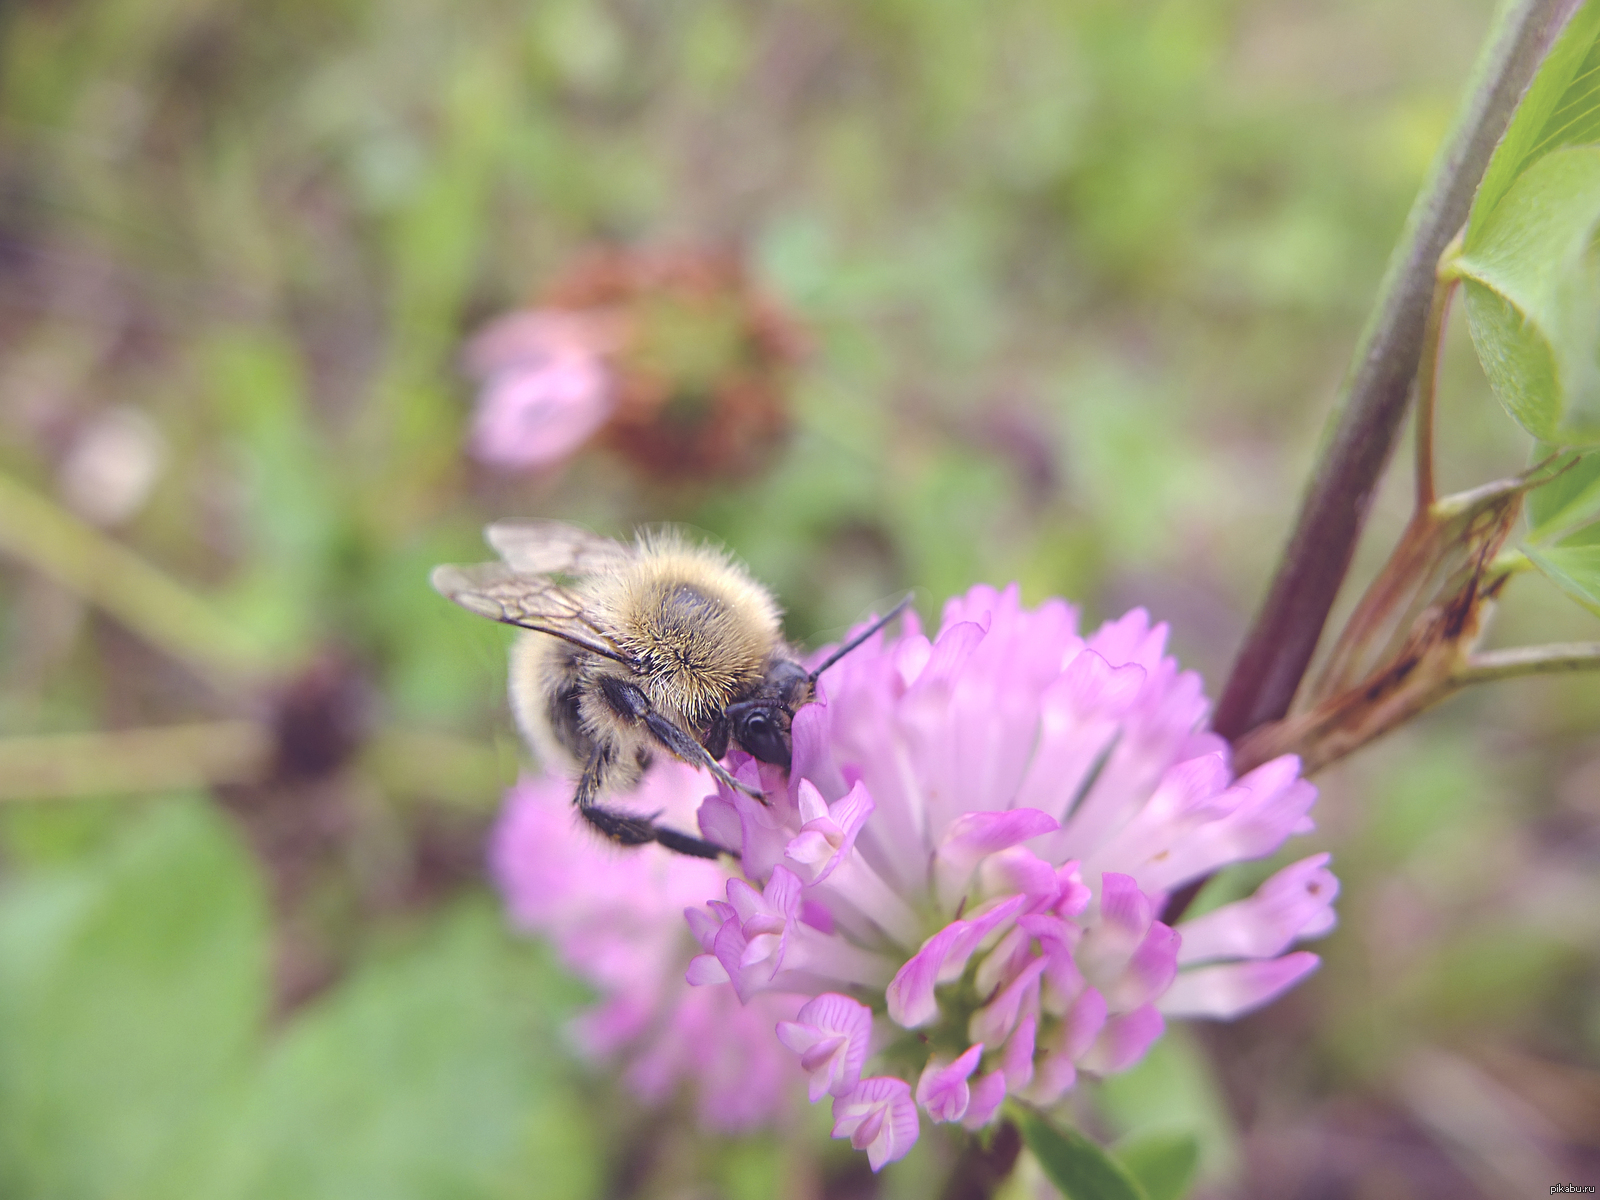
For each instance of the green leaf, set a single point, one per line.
(288, 480)
(1588, 535)
(1162, 1161)
(1561, 108)
(132, 991)
(1081, 1169)
(1174, 1088)
(1571, 497)
(1533, 297)
(431, 1072)
(1574, 567)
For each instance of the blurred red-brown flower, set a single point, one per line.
(674, 360)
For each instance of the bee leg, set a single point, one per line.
(693, 753)
(627, 830)
(624, 828)
(682, 843)
(630, 703)
(716, 738)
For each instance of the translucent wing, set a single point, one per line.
(552, 548)
(496, 591)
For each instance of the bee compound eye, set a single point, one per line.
(760, 736)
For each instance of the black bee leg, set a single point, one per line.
(594, 776)
(630, 703)
(624, 828)
(716, 739)
(693, 753)
(682, 843)
(627, 830)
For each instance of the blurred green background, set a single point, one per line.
(1078, 281)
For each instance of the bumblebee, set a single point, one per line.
(664, 645)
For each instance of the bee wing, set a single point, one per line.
(552, 548)
(496, 591)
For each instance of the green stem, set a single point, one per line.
(1556, 659)
(1428, 384)
(438, 766)
(135, 761)
(1279, 645)
(984, 1164)
(416, 763)
(155, 606)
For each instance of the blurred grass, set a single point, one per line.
(1079, 280)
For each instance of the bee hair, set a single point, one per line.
(665, 646)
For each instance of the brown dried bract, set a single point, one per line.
(1411, 639)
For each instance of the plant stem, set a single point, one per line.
(984, 1165)
(129, 762)
(416, 763)
(438, 766)
(1555, 659)
(146, 600)
(1428, 384)
(1279, 645)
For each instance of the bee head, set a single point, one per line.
(761, 724)
(764, 732)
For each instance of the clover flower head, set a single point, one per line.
(615, 919)
(964, 871)
(674, 360)
(545, 386)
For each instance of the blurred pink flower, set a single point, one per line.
(971, 854)
(616, 919)
(545, 385)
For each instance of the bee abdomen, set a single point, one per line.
(546, 699)
(566, 719)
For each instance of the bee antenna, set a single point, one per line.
(864, 635)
